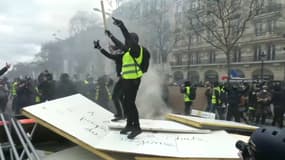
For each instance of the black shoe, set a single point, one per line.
(126, 130)
(134, 133)
(117, 115)
(117, 119)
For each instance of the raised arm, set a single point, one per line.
(102, 50)
(123, 28)
(4, 69)
(117, 42)
(131, 39)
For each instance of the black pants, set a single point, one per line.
(233, 112)
(221, 112)
(118, 99)
(261, 112)
(278, 116)
(130, 89)
(188, 109)
(3, 104)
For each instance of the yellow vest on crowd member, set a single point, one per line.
(108, 92)
(131, 66)
(86, 82)
(214, 96)
(14, 88)
(187, 94)
(37, 97)
(97, 92)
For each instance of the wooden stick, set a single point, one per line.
(103, 14)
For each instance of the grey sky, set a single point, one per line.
(26, 24)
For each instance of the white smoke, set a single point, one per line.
(149, 99)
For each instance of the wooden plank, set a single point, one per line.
(86, 124)
(166, 158)
(79, 153)
(211, 123)
(58, 131)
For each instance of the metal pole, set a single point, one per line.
(10, 138)
(1, 153)
(262, 64)
(30, 135)
(21, 140)
(28, 141)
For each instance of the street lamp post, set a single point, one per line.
(262, 57)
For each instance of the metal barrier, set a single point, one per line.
(27, 149)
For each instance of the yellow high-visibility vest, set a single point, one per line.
(108, 92)
(187, 94)
(86, 82)
(14, 89)
(131, 66)
(214, 97)
(37, 97)
(97, 93)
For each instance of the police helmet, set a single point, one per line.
(266, 143)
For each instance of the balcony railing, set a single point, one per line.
(270, 8)
(245, 60)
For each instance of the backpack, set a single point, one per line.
(192, 93)
(145, 63)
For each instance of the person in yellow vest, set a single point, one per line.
(14, 88)
(216, 99)
(187, 89)
(102, 92)
(135, 62)
(14, 93)
(88, 88)
(37, 95)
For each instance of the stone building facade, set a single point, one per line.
(262, 44)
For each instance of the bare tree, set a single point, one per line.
(162, 36)
(222, 23)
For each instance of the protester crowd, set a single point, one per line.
(252, 103)
(27, 91)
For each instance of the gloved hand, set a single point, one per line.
(8, 65)
(97, 44)
(117, 22)
(108, 33)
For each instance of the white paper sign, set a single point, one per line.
(88, 122)
(203, 114)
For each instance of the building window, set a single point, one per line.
(257, 53)
(198, 60)
(195, 4)
(179, 60)
(192, 59)
(210, 36)
(179, 8)
(212, 57)
(198, 39)
(259, 29)
(271, 26)
(237, 55)
(271, 52)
